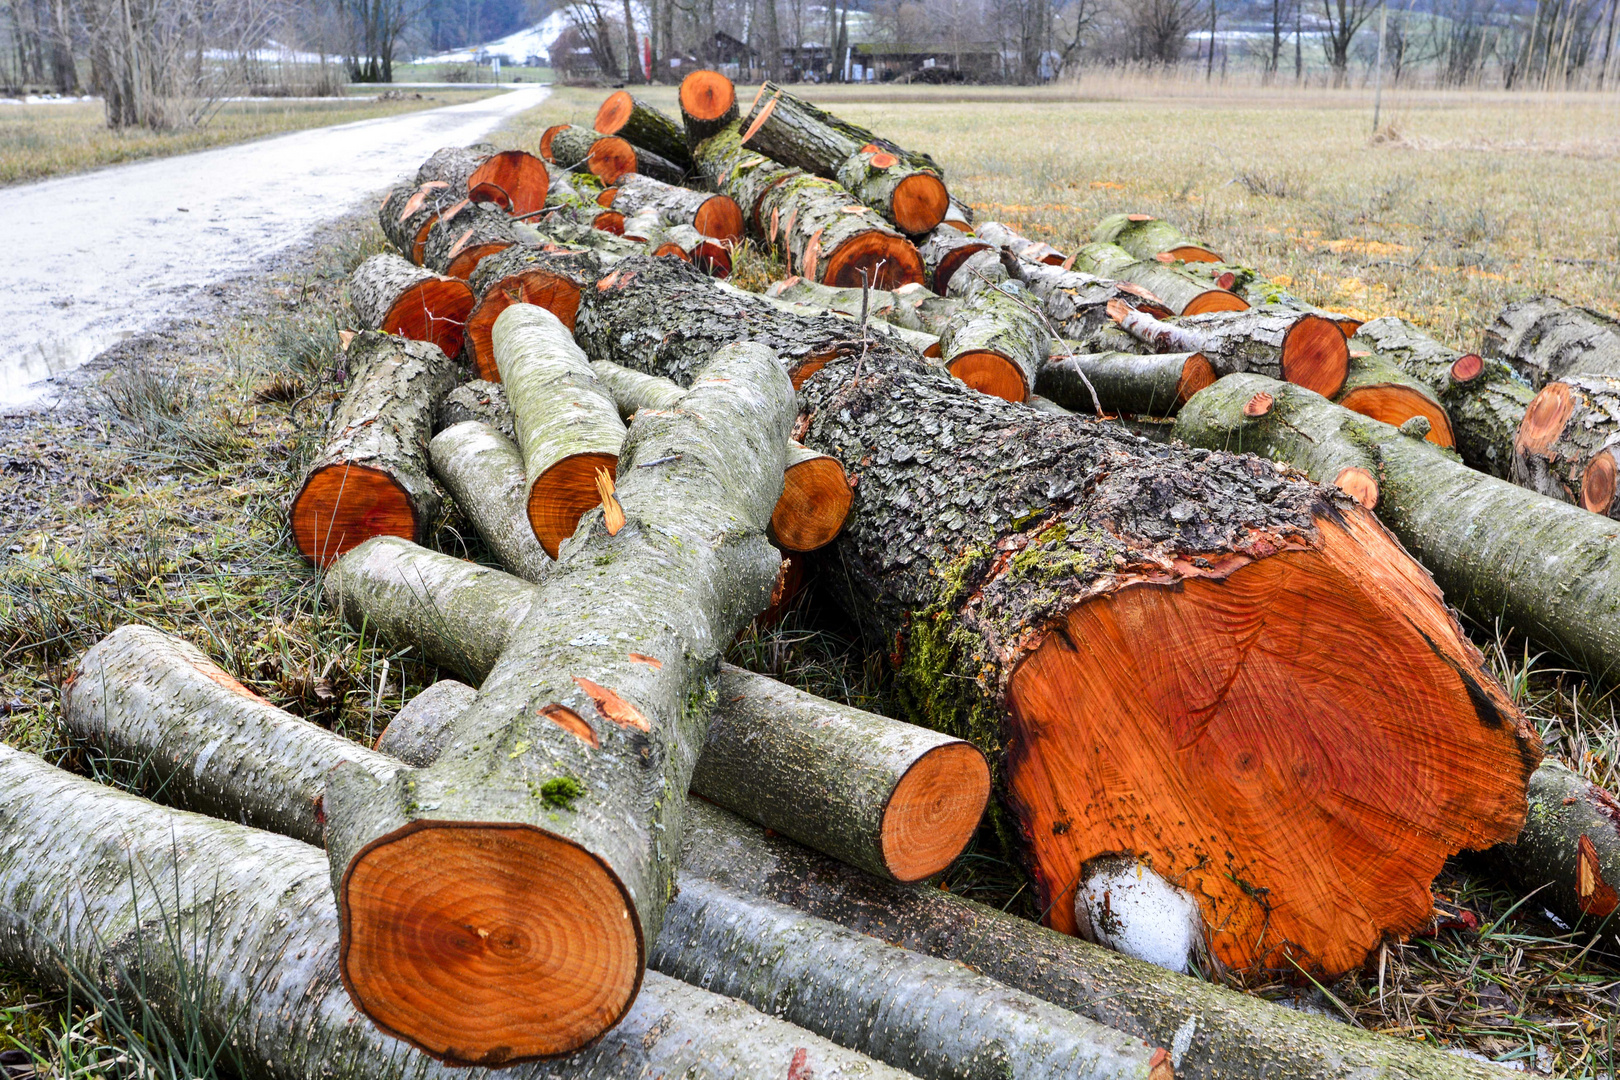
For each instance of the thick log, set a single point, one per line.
(607, 157)
(1004, 237)
(92, 881)
(910, 307)
(1119, 382)
(419, 731)
(982, 268)
(464, 235)
(712, 215)
(568, 427)
(392, 295)
(409, 212)
(826, 236)
(549, 277)
(1570, 847)
(1379, 387)
(1499, 551)
(683, 242)
(372, 476)
(795, 133)
(1183, 292)
(1568, 443)
(836, 128)
(1077, 303)
(741, 174)
(1544, 339)
(996, 342)
(548, 820)
(1145, 237)
(1484, 399)
(943, 252)
(483, 471)
(454, 166)
(484, 402)
(640, 124)
(708, 105)
(514, 180)
(1305, 350)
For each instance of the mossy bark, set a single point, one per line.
(483, 471)
(675, 205)
(1569, 851)
(814, 220)
(1146, 238)
(571, 145)
(740, 173)
(461, 237)
(1018, 245)
(1544, 339)
(943, 251)
(1256, 341)
(1171, 284)
(642, 124)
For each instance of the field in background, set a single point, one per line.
(43, 140)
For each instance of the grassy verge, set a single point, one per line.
(37, 141)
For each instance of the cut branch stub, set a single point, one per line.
(568, 427)
(520, 177)
(372, 477)
(391, 295)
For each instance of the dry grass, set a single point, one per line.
(37, 141)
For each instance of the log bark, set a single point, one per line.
(1302, 349)
(943, 252)
(464, 235)
(1146, 237)
(1570, 847)
(980, 525)
(1500, 552)
(567, 426)
(550, 277)
(409, 212)
(641, 124)
(1077, 303)
(372, 476)
(548, 820)
(607, 157)
(708, 105)
(739, 173)
(484, 402)
(390, 294)
(1007, 239)
(1568, 444)
(910, 307)
(996, 342)
(418, 732)
(1182, 292)
(1377, 386)
(795, 133)
(514, 180)
(483, 471)
(1155, 385)
(680, 241)
(90, 878)
(454, 166)
(1485, 399)
(827, 236)
(715, 216)
(1544, 339)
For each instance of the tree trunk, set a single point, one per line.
(372, 476)
(418, 732)
(1306, 350)
(825, 235)
(1145, 237)
(515, 180)
(247, 958)
(454, 167)
(1183, 292)
(1484, 399)
(708, 105)
(390, 294)
(463, 236)
(1569, 442)
(829, 133)
(1077, 304)
(1570, 847)
(608, 157)
(1377, 386)
(548, 820)
(943, 252)
(741, 174)
(1000, 236)
(910, 307)
(1119, 382)
(712, 215)
(920, 340)
(477, 400)
(979, 526)
(1545, 339)
(409, 212)
(996, 342)
(471, 458)
(568, 427)
(1213, 1032)
(550, 278)
(1499, 551)
(641, 124)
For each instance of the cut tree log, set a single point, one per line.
(1183, 292)
(741, 174)
(910, 307)
(1484, 399)
(607, 157)
(477, 400)
(966, 564)
(944, 251)
(708, 104)
(1379, 387)
(1004, 237)
(1145, 237)
(795, 133)
(683, 242)
(548, 820)
(515, 180)
(548, 276)
(828, 237)
(409, 212)
(1500, 552)
(568, 427)
(1568, 443)
(267, 1004)
(463, 236)
(1569, 850)
(1077, 304)
(1305, 350)
(1544, 339)
(712, 215)
(922, 341)
(483, 471)
(1118, 382)
(640, 124)
(419, 731)
(453, 166)
(996, 342)
(372, 476)
(959, 216)
(392, 295)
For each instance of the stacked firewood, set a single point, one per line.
(1133, 525)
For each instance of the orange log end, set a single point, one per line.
(562, 494)
(707, 95)
(721, 218)
(814, 502)
(1467, 368)
(919, 203)
(1544, 420)
(556, 294)
(1316, 355)
(435, 310)
(615, 112)
(1215, 300)
(889, 261)
(1597, 482)
(341, 506)
(521, 176)
(991, 373)
(611, 158)
(1395, 404)
(1196, 374)
(934, 810)
(1359, 484)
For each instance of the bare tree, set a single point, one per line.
(1344, 19)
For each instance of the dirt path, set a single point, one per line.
(96, 257)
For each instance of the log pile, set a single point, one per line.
(1209, 691)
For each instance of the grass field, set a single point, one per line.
(37, 141)
(160, 497)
